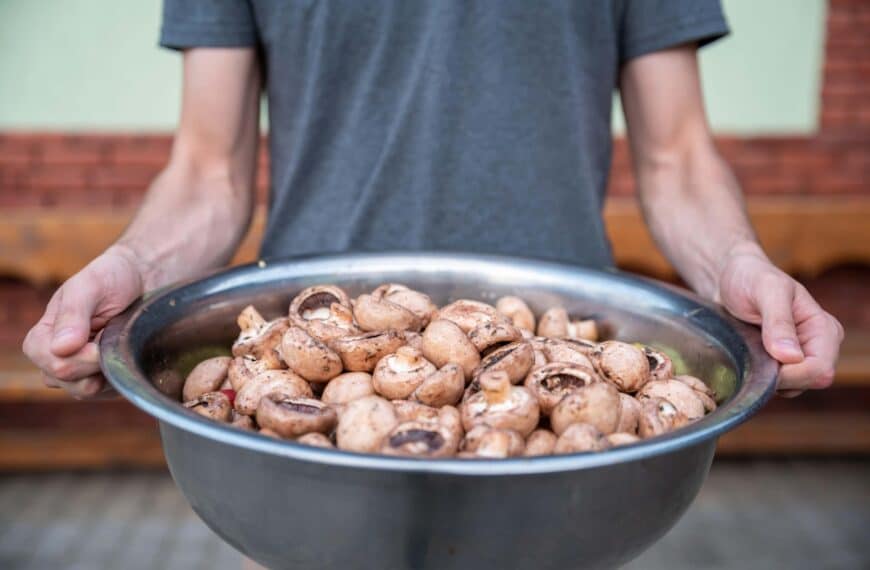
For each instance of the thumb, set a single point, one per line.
(777, 323)
(72, 322)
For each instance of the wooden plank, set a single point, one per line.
(29, 450)
(802, 234)
(811, 433)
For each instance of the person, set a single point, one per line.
(474, 126)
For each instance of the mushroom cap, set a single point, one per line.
(442, 387)
(468, 315)
(660, 365)
(517, 311)
(411, 411)
(629, 413)
(377, 314)
(207, 376)
(444, 342)
(315, 439)
(686, 400)
(553, 323)
(487, 442)
(241, 421)
(269, 433)
(703, 391)
(421, 439)
(309, 357)
(552, 382)
(622, 364)
(413, 339)
(243, 368)
(621, 438)
(324, 312)
(397, 375)
(492, 335)
(292, 417)
(580, 437)
(586, 329)
(564, 350)
(418, 303)
(213, 405)
(515, 358)
(258, 337)
(364, 423)
(659, 416)
(347, 387)
(540, 442)
(280, 381)
(360, 353)
(501, 405)
(596, 404)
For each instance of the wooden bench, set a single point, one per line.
(41, 428)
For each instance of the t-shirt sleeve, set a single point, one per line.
(207, 23)
(654, 25)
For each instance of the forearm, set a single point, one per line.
(695, 211)
(192, 220)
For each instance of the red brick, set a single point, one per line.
(55, 176)
(838, 183)
(136, 177)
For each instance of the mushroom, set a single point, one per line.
(269, 433)
(517, 311)
(360, 353)
(315, 439)
(281, 381)
(411, 411)
(566, 350)
(596, 404)
(437, 437)
(308, 357)
(364, 423)
(418, 303)
(622, 364)
(540, 442)
(444, 342)
(207, 376)
(487, 442)
(242, 368)
(468, 315)
(493, 335)
(552, 382)
(515, 358)
(169, 382)
(324, 312)
(347, 387)
(658, 416)
(379, 313)
(621, 438)
(213, 405)
(580, 437)
(259, 338)
(660, 365)
(397, 375)
(703, 391)
(686, 400)
(292, 417)
(241, 421)
(501, 405)
(442, 387)
(413, 339)
(555, 323)
(629, 413)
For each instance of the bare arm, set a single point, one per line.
(694, 208)
(192, 219)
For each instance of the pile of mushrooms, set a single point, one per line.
(390, 372)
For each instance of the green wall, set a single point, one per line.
(95, 65)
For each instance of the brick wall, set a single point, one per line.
(57, 170)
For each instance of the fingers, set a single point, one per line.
(85, 362)
(72, 320)
(89, 387)
(775, 303)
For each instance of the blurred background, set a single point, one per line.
(87, 106)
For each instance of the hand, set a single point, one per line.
(63, 343)
(795, 330)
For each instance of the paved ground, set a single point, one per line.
(749, 515)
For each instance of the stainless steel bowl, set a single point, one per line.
(290, 506)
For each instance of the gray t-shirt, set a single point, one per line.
(444, 124)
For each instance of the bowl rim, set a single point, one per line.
(119, 365)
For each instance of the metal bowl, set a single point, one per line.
(291, 506)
